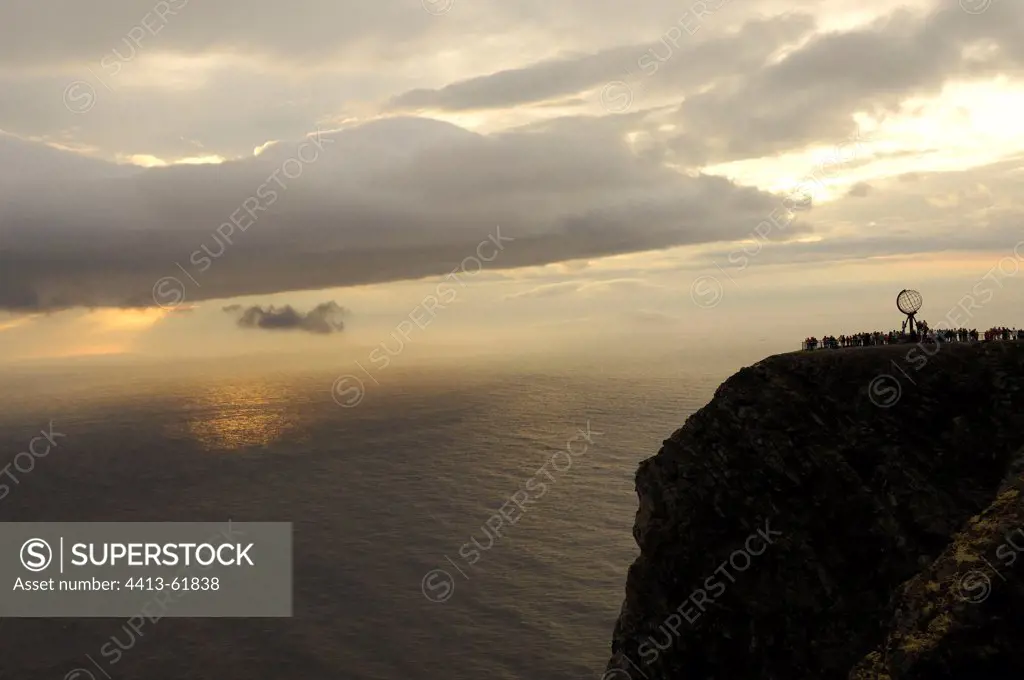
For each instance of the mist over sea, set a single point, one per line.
(381, 495)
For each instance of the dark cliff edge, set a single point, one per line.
(820, 519)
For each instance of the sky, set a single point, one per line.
(328, 178)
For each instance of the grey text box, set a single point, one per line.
(164, 569)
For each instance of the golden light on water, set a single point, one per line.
(251, 419)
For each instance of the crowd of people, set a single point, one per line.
(1003, 333)
(923, 334)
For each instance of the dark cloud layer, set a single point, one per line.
(396, 199)
(323, 319)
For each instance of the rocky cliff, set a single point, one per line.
(837, 514)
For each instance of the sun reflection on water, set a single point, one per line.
(236, 416)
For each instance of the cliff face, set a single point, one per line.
(820, 519)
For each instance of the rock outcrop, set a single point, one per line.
(836, 514)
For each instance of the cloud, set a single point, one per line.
(204, 78)
(396, 199)
(859, 190)
(546, 290)
(970, 211)
(325, 318)
(812, 93)
(306, 32)
(302, 30)
(678, 67)
(593, 288)
(161, 79)
(652, 316)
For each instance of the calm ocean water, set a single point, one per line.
(380, 495)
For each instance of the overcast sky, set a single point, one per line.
(577, 164)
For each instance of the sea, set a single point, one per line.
(397, 573)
